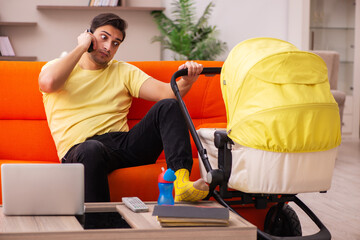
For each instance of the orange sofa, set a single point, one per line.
(25, 136)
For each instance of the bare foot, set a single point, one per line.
(200, 184)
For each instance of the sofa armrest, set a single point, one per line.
(340, 97)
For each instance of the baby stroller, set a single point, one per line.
(281, 138)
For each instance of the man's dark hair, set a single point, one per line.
(109, 19)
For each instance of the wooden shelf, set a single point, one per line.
(333, 28)
(17, 24)
(52, 7)
(18, 58)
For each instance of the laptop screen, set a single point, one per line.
(42, 189)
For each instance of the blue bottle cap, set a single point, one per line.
(169, 175)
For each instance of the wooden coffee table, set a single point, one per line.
(143, 226)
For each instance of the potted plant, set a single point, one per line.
(187, 38)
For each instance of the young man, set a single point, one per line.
(87, 96)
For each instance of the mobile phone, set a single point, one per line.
(91, 48)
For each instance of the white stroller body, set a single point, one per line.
(259, 171)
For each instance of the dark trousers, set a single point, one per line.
(163, 128)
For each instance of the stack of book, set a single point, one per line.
(191, 216)
(5, 47)
(107, 3)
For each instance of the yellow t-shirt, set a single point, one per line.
(92, 102)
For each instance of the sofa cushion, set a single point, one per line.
(24, 131)
(20, 97)
(202, 100)
(29, 140)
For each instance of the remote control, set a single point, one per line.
(135, 204)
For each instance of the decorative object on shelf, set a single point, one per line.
(8, 54)
(105, 3)
(187, 39)
(5, 46)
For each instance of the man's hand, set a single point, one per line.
(194, 70)
(53, 77)
(85, 39)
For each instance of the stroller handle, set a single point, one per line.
(184, 72)
(185, 112)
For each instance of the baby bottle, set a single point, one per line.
(166, 184)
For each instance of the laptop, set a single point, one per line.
(42, 189)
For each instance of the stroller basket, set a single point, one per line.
(275, 126)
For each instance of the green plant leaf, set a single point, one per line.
(187, 39)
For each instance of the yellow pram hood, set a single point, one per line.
(278, 98)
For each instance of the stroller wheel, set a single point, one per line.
(281, 220)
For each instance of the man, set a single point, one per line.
(87, 96)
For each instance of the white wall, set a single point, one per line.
(238, 20)
(57, 30)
